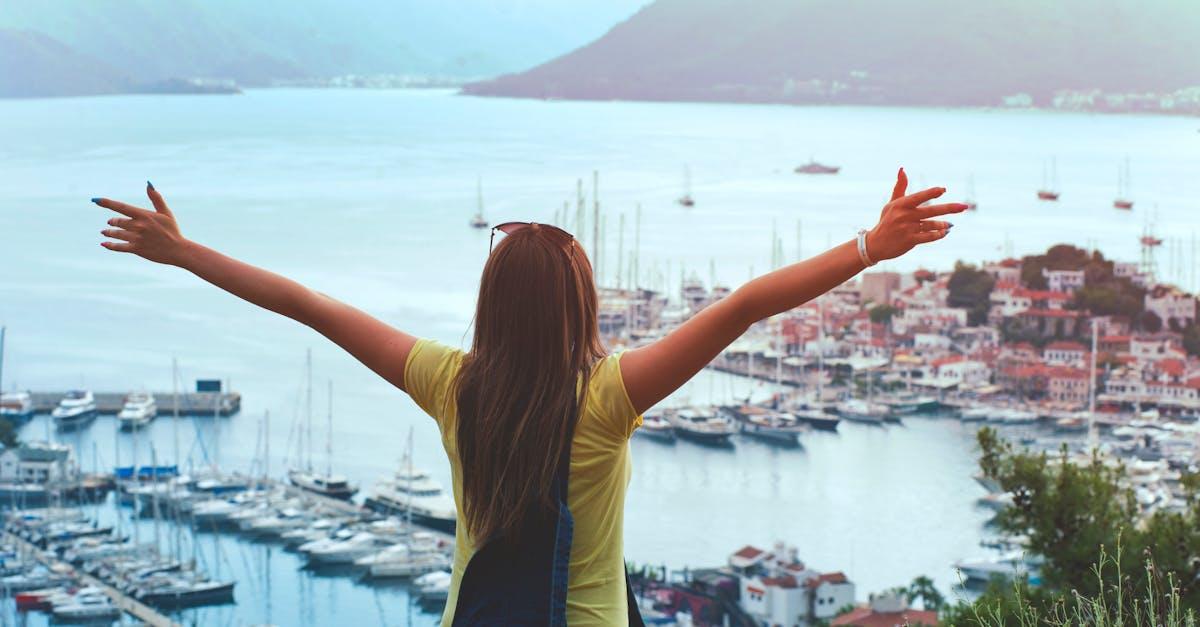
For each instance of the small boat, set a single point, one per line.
(1049, 190)
(477, 220)
(1122, 200)
(75, 410)
(969, 201)
(37, 599)
(656, 426)
(433, 587)
(975, 414)
(703, 426)
(768, 424)
(87, 604)
(332, 486)
(178, 592)
(817, 419)
(17, 407)
(346, 551)
(1016, 416)
(686, 199)
(858, 410)
(417, 557)
(139, 409)
(1006, 567)
(812, 167)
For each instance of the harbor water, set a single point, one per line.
(365, 195)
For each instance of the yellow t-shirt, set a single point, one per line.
(600, 471)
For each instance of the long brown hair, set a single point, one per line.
(536, 340)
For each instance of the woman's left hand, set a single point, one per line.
(905, 221)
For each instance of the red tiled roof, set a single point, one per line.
(748, 552)
(1173, 367)
(1064, 345)
(866, 617)
(1042, 294)
(953, 359)
(1115, 338)
(835, 577)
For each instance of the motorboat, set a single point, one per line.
(768, 424)
(812, 167)
(817, 419)
(433, 587)
(347, 551)
(978, 413)
(86, 604)
(858, 410)
(417, 557)
(1006, 567)
(412, 492)
(657, 427)
(77, 409)
(703, 426)
(180, 591)
(332, 486)
(16, 407)
(139, 409)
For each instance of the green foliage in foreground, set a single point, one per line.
(8, 434)
(1073, 514)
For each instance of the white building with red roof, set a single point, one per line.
(778, 589)
(1066, 353)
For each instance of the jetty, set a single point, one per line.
(127, 604)
(190, 403)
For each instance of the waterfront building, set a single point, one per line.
(1067, 385)
(1131, 271)
(1066, 353)
(1004, 271)
(888, 609)
(1063, 280)
(1174, 307)
(776, 588)
(959, 370)
(34, 462)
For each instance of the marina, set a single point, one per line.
(880, 500)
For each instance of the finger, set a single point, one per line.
(933, 225)
(121, 247)
(932, 211)
(930, 236)
(122, 223)
(156, 199)
(901, 185)
(925, 195)
(120, 207)
(120, 234)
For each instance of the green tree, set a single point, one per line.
(922, 588)
(882, 314)
(8, 434)
(971, 288)
(1150, 322)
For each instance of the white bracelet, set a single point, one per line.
(862, 249)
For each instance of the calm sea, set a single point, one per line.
(365, 195)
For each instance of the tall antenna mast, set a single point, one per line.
(621, 251)
(637, 247)
(596, 222)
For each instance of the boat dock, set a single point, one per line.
(190, 403)
(144, 613)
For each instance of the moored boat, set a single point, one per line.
(703, 426)
(139, 409)
(75, 410)
(656, 426)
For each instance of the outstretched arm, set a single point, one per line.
(155, 235)
(654, 371)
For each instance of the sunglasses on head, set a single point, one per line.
(508, 228)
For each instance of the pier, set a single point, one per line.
(190, 403)
(144, 613)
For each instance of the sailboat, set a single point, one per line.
(969, 201)
(686, 199)
(328, 484)
(478, 221)
(1122, 200)
(1049, 190)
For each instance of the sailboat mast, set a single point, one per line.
(175, 407)
(596, 225)
(308, 405)
(1, 359)
(636, 281)
(329, 436)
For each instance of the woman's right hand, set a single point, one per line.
(152, 235)
(905, 221)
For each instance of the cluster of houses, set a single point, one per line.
(926, 343)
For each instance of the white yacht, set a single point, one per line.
(75, 410)
(978, 413)
(16, 406)
(356, 547)
(138, 411)
(411, 490)
(704, 426)
(333, 486)
(433, 587)
(417, 557)
(858, 410)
